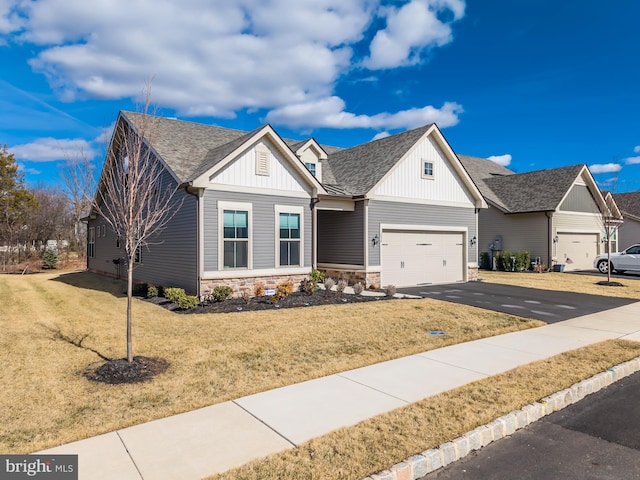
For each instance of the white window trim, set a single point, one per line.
(433, 167)
(315, 168)
(247, 207)
(288, 209)
(104, 231)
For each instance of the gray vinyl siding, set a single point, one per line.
(573, 222)
(263, 226)
(169, 259)
(628, 233)
(341, 236)
(579, 199)
(521, 231)
(416, 214)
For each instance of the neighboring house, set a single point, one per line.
(554, 214)
(629, 231)
(258, 208)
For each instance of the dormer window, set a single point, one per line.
(427, 169)
(312, 167)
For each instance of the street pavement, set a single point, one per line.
(547, 305)
(596, 438)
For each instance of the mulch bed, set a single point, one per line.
(609, 284)
(120, 371)
(293, 300)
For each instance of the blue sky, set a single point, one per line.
(533, 84)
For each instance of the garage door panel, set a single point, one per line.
(421, 257)
(577, 251)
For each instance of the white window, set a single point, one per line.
(427, 169)
(137, 258)
(312, 167)
(235, 233)
(104, 230)
(91, 244)
(289, 236)
(263, 157)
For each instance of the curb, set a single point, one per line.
(418, 466)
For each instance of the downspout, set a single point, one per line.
(198, 226)
(549, 216)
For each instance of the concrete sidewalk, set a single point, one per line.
(214, 439)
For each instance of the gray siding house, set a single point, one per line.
(629, 231)
(557, 215)
(254, 207)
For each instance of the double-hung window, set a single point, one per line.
(289, 236)
(236, 238)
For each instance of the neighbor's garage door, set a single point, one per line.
(417, 257)
(577, 250)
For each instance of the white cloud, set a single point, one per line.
(632, 160)
(410, 29)
(605, 168)
(215, 57)
(503, 160)
(9, 20)
(380, 135)
(330, 112)
(636, 149)
(51, 149)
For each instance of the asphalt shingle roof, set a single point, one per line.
(628, 203)
(537, 191)
(358, 169)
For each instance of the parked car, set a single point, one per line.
(628, 259)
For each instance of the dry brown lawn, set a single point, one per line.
(378, 443)
(55, 326)
(566, 282)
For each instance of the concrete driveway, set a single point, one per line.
(596, 438)
(546, 305)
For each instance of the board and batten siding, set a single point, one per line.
(628, 233)
(341, 236)
(380, 212)
(263, 221)
(520, 231)
(242, 172)
(405, 180)
(579, 199)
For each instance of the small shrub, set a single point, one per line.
(152, 291)
(485, 261)
(358, 288)
(316, 276)
(258, 289)
(50, 259)
(140, 289)
(340, 286)
(174, 294)
(221, 293)
(187, 302)
(540, 268)
(308, 287)
(245, 294)
(282, 290)
(328, 285)
(390, 290)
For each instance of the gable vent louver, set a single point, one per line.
(262, 160)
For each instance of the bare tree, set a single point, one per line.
(51, 219)
(78, 177)
(133, 195)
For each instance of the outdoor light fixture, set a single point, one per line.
(375, 240)
(473, 240)
(555, 239)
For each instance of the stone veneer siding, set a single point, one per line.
(353, 276)
(244, 283)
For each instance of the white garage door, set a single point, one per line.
(418, 258)
(577, 250)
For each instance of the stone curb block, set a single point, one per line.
(428, 461)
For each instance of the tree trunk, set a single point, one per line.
(129, 305)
